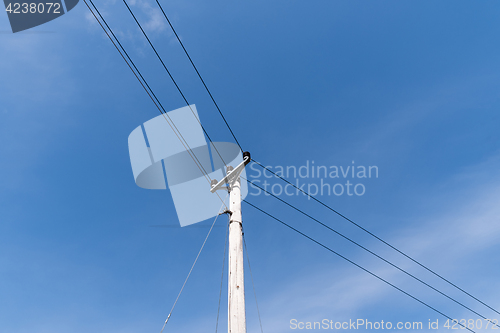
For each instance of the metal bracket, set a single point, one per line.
(231, 177)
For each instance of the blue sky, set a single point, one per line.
(410, 87)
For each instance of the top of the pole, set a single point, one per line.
(246, 155)
(232, 174)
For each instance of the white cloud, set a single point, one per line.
(155, 20)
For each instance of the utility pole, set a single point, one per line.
(236, 283)
(236, 289)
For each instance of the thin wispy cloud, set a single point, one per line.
(447, 240)
(154, 21)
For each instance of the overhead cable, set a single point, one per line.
(149, 91)
(371, 252)
(199, 75)
(172, 78)
(359, 266)
(375, 236)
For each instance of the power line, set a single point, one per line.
(376, 237)
(150, 92)
(352, 262)
(199, 75)
(371, 252)
(172, 78)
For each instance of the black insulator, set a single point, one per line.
(247, 160)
